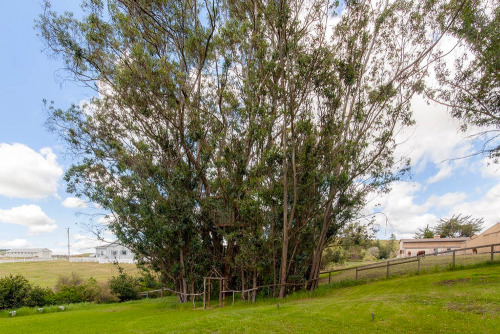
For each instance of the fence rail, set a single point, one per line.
(83, 259)
(223, 290)
(18, 260)
(395, 262)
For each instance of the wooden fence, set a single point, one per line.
(395, 262)
(223, 290)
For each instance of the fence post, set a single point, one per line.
(204, 293)
(329, 277)
(418, 270)
(453, 259)
(356, 273)
(388, 268)
(220, 293)
(492, 251)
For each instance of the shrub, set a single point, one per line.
(65, 282)
(70, 289)
(332, 255)
(70, 294)
(13, 291)
(124, 286)
(374, 251)
(38, 296)
(148, 281)
(99, 292)
(355, 253)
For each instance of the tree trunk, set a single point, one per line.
(316, 261)
(184, 286)
(242, 284)
(254, 286)
(284, 247)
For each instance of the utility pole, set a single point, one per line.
(68, 242)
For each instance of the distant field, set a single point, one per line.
(461, 301)
(46, 274)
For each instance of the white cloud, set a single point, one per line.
(490, 170)
(444, 172)
(16, 243)
(85, 244)
(25, 173)
(74, 202)
(435, 138)
(106, 220)
(485, 207)
(403, 216)
(30, 216)
(445, 201)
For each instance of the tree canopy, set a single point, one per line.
(240, 136)
(424, 233)
(458, 226)
(470, 83)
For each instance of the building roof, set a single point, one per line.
(494, 229)
(29, 250)
(436, 239)
(114, 243)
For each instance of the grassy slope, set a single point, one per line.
(428, 263)
(46, 274)
(462, 301)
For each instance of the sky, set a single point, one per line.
(36, 210)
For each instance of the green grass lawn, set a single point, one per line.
(459, 301)
(46, 274)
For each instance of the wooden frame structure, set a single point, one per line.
(207, 290)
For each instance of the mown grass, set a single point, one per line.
(453, 301)
(47, 273)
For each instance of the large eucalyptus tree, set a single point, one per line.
(239, 136)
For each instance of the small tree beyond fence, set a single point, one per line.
(401, 266)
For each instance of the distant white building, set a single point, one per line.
(411, 247)
(35, 253)
(114, 252)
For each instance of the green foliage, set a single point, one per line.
(470, 86)
(73, 289)
(71, 281)
(424, 233)
(16, 291)
(356, 234)
(124, 286)
(149, 281)
(458, 226)
(99, 292)
(238, 139)
(332, 255)
(13, 291)
(38, 296)
(444, 302)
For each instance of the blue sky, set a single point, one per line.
(35, 210)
